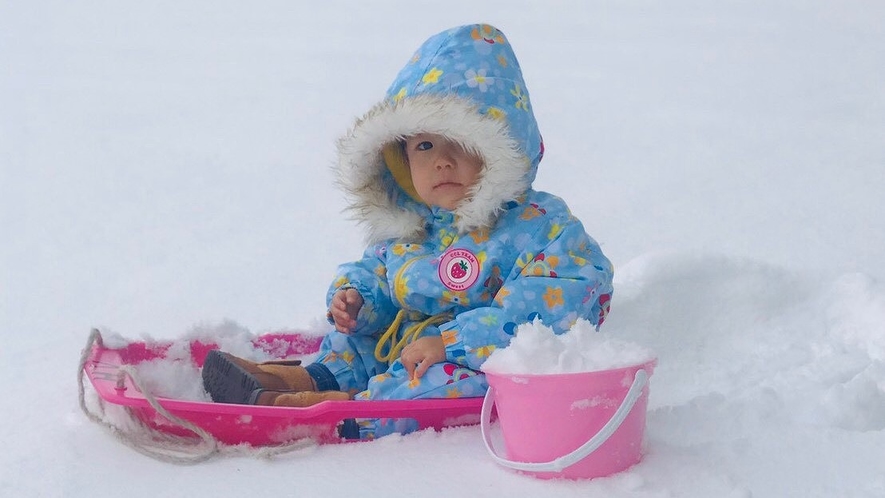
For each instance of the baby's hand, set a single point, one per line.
(421, 353)
(344, 308)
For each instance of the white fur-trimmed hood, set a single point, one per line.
(361, 167)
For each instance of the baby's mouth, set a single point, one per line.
(447, 184)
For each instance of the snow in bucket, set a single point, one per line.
(571, 405)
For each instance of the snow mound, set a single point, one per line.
(537, 349)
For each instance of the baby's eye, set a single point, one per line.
(425, 145)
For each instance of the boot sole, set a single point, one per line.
(228, 382)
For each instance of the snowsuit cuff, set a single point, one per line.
(323, 377)
(455, 350)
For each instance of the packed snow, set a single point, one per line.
(537, 350)
(164, 175)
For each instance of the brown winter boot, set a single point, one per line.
(230, 379)
(287, 375)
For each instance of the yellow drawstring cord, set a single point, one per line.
(411, 333)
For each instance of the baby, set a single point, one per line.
(460, 250)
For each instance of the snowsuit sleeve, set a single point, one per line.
(560, 275)
(367, 275)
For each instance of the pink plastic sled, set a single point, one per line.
(256, 425)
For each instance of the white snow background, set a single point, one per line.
(165, 166)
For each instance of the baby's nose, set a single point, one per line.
(444, 161)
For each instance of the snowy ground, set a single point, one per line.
(164, 165)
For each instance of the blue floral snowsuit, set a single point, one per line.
(505, 255)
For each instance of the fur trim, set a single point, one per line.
(361, 168)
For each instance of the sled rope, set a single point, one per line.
(161, 447)
(158, 445)
(410, 334)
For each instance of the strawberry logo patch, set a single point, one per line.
(458, 269)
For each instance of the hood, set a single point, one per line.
(466, 84)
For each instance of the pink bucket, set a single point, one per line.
(576, 426)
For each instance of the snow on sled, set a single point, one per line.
(112, 372)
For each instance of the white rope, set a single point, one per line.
(160, 445)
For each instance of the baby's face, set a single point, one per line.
(442, 172)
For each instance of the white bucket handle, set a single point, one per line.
(560, 463)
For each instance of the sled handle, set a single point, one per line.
(560, 463)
